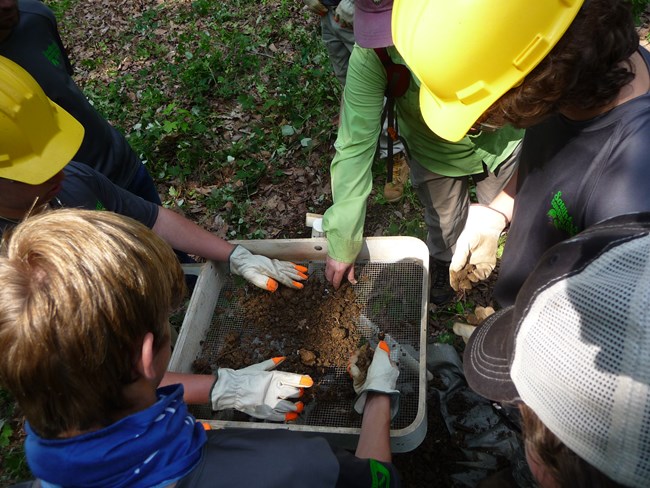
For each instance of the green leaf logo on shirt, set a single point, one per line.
(380, 474)
(99, 206)
(53, 54)
(560, 215)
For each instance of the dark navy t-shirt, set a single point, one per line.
(35, 45)
(283, 459)
(83, 187)
(572, 175)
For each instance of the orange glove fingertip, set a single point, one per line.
(383, 346)
(298, 285)
(306, 381)
(290, 417)
(271, 285)
(301, 269)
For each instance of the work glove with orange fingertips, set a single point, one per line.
(381, 377)
(265, 273)
(259, 392)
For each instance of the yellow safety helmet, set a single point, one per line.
(37, 137)
(468, 53)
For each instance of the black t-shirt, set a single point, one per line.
(83, 187)
(35, 45)
(572, 175)
(246, 458)
(283, 459)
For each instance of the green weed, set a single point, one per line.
(13, 466)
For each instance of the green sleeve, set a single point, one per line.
(495, 147)
(351, 169)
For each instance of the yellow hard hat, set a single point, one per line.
(468, 53)
(37, 137)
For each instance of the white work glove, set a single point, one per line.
(380, 378)
(476, 249)
(263, 272)
(316, 6)
(259, 392)
(344, 13)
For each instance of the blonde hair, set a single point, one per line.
(80, 289)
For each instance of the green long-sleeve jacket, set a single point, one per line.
(356, 143)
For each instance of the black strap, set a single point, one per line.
(398, 78)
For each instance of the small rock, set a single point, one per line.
(307, 357)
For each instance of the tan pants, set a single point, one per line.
(446, 200)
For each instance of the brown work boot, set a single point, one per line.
(394, 191)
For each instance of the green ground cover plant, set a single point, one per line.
(204, 90)
(232, 106)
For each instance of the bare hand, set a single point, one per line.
(335, 271)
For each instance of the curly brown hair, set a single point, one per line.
(585, 70)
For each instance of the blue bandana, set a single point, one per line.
(154, 447)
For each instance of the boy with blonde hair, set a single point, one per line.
(84, 346)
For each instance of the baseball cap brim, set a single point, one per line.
(372, 29)
(488, 357)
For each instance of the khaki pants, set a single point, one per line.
(446, 201)
(339, 42)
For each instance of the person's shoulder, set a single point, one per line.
(82, 184)
(261, 457)
(365, 68)
(364, 54)
(77, 169)
(633, 118)
(35, 7)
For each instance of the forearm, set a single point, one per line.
(351, 169)
(196, 387)
(343, 225)
(343, 222)
(374, 441)
(184, 235)
(504, 202)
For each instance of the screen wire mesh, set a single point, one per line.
(390, 296)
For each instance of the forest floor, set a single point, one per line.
(234, 107)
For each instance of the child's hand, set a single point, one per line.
(381, 377)
(259, 392)
(264, 272)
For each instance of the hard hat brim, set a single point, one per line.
(451, 121)
(58, 152)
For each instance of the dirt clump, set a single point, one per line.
(315, 328)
